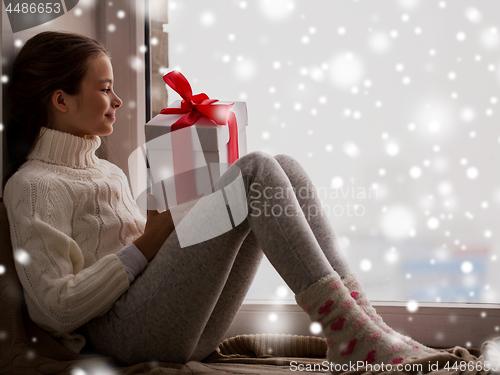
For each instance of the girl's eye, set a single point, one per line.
(106, 90)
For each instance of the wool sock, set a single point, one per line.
(359, 295)
(351, 336)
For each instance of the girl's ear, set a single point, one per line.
(59, 100)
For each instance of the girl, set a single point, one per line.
(94, 271)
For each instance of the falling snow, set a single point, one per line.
(22, 257)
(96, 367)
(412, 306)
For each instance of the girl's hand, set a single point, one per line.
(159, 226)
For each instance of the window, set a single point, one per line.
(391, 108)
(390, 113)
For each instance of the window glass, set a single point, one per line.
(392, 109)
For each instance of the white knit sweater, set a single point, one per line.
(70, 213)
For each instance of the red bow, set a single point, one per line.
(198, 105)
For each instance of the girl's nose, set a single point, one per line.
(118, 102)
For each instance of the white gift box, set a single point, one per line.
(208, 152)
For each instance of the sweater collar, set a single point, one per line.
(65, 149)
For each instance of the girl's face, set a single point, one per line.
(93, 110)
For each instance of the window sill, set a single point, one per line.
(434, 324)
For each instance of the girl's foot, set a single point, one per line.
(351, 336)
(359, 295)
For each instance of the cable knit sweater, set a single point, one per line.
(70, 213)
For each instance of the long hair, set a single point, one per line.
(48, 61)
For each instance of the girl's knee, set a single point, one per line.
(255, 159)
(257, 156)
(283, 159)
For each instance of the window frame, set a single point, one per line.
(129, 82)
(434, 324)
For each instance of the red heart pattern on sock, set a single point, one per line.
(360, 322)
(396, 347)
(338, 324)
(326, 307)
(350, 348)
(397, 360)
(374, 336)
(354, 294)
(348, 303)
(336, 285)
(370, 358)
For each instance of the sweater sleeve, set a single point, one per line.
(60, 294)
(133, 260)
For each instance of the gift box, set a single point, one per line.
(185, 162)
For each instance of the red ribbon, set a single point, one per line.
(194, 106)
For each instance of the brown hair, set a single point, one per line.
(47, 62)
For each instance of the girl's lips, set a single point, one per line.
(111, 117)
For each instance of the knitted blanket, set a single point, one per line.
(308, 354)
(25, 348)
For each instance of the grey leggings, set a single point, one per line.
(181, 306)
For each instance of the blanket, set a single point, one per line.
(26, 348)
(307, 354)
